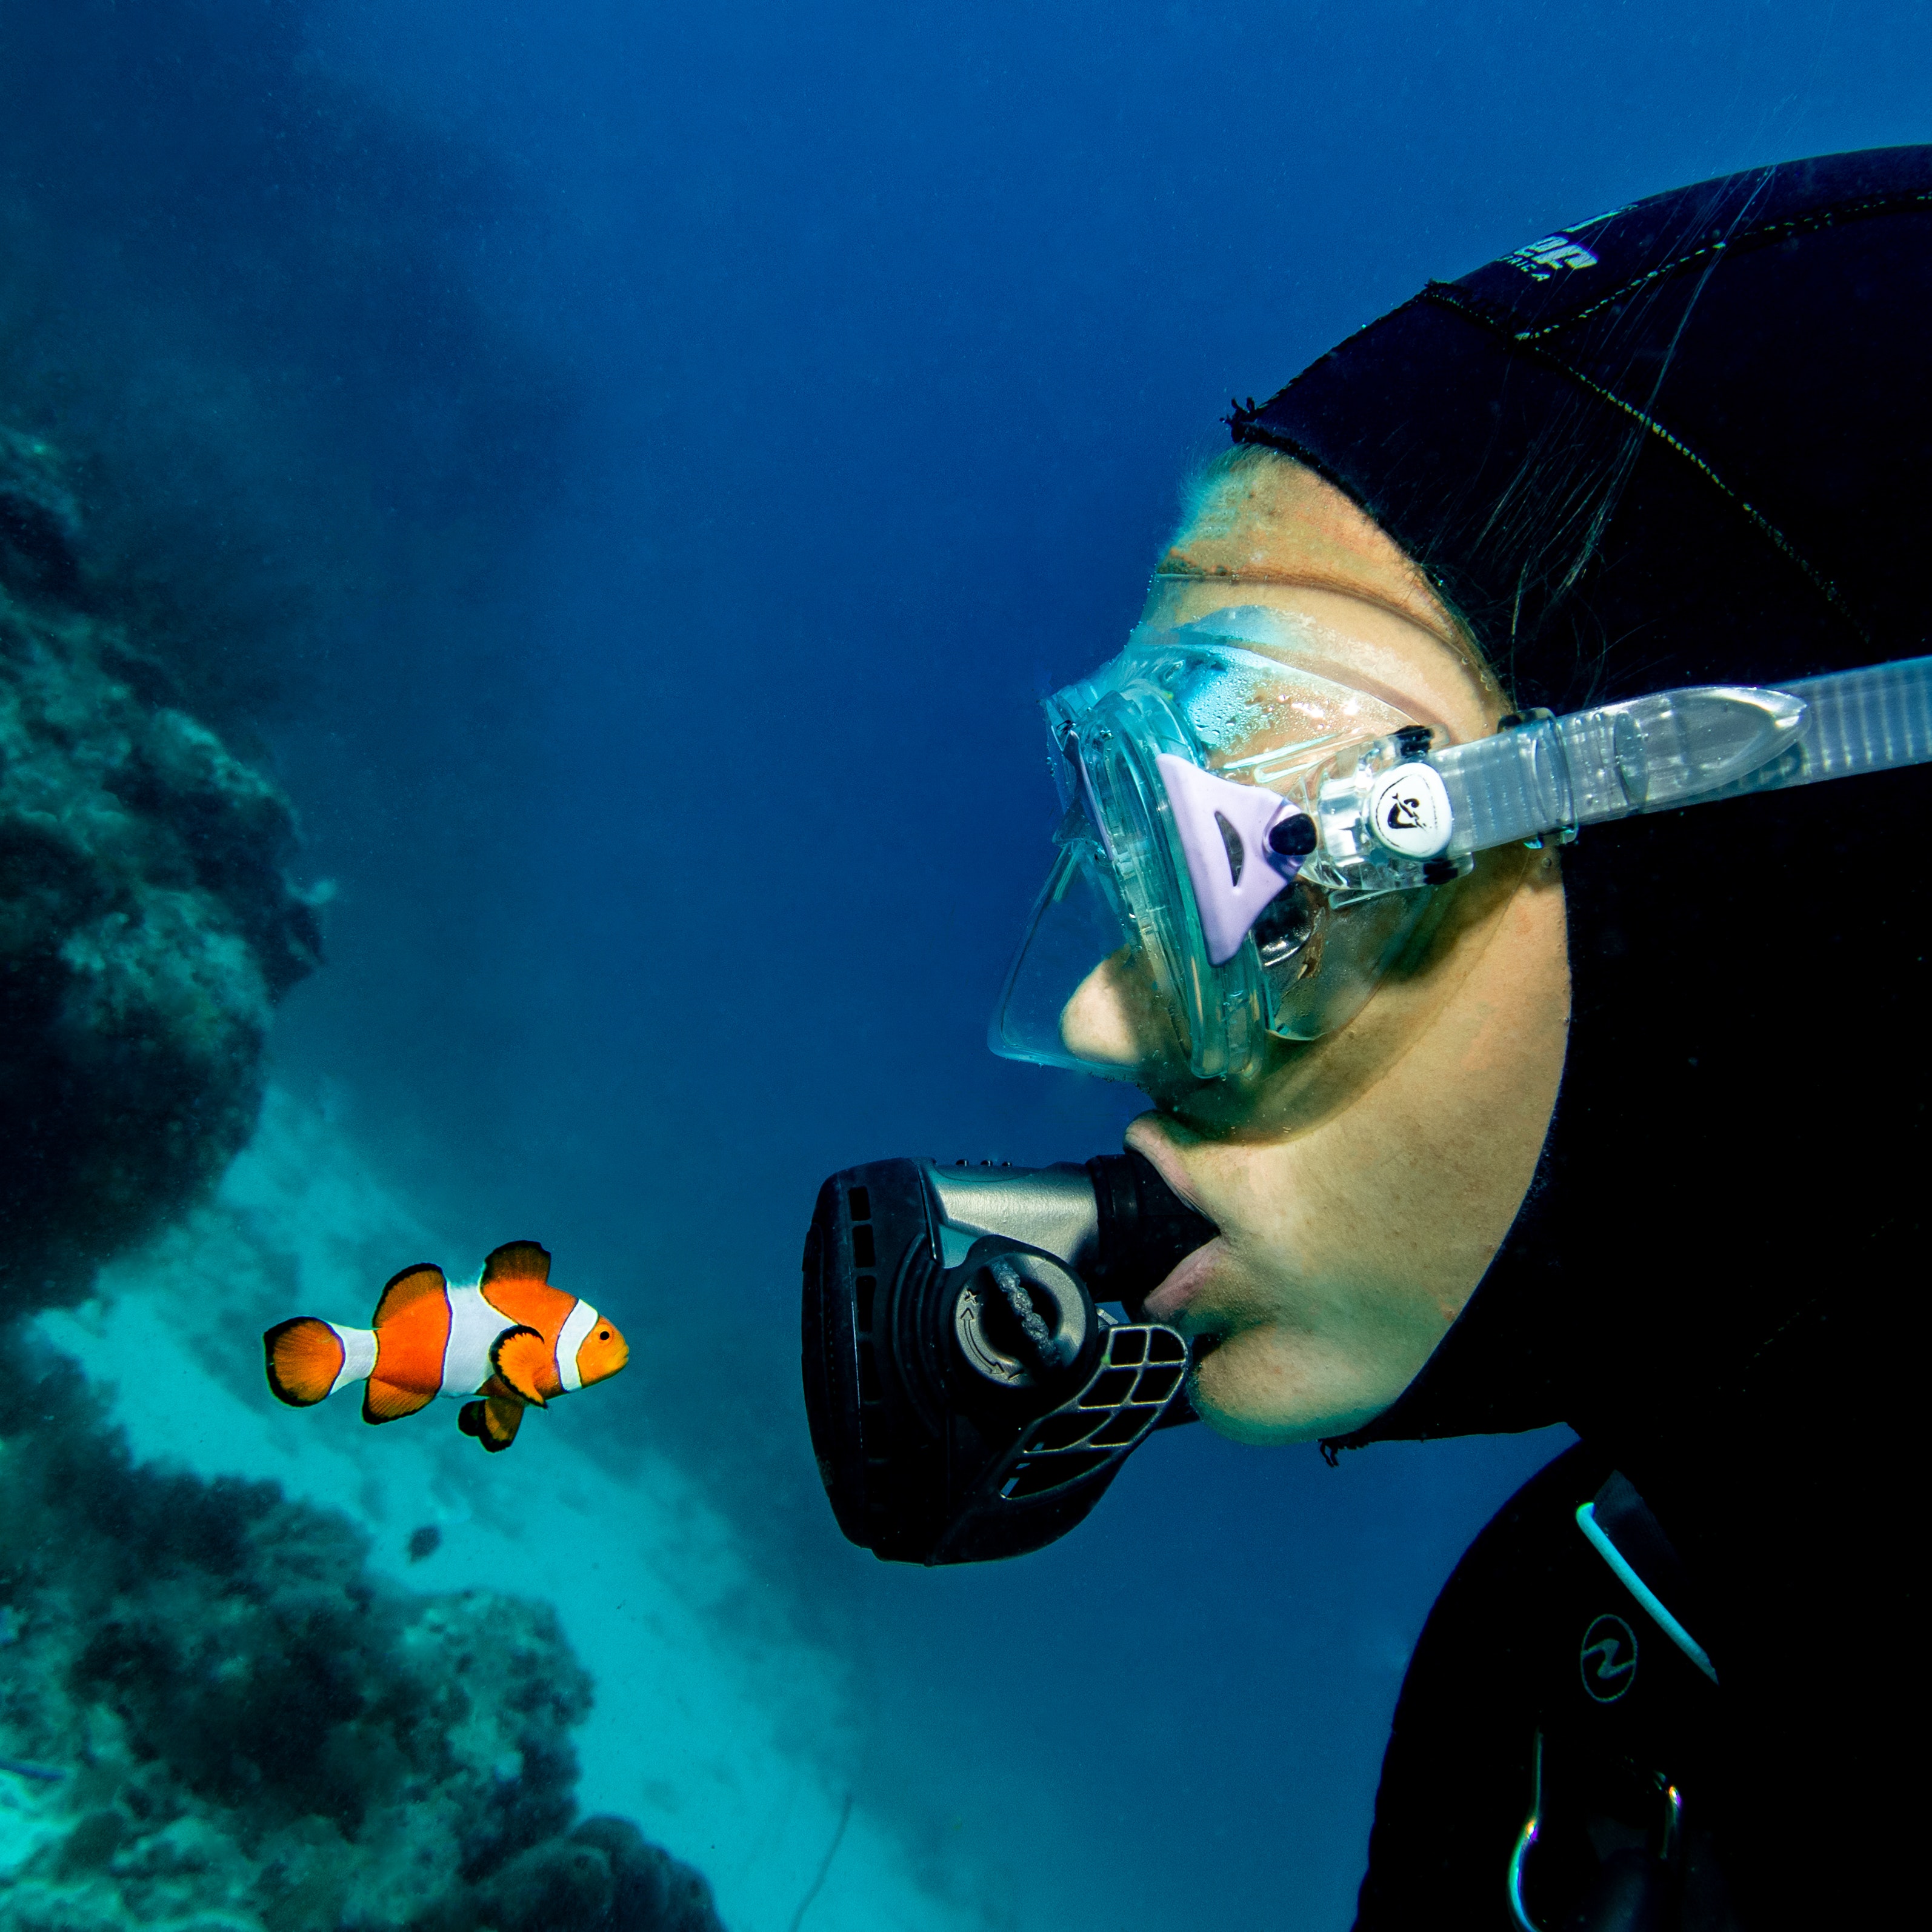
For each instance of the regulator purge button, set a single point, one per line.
(1409, 808)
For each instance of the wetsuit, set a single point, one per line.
(1690, 441)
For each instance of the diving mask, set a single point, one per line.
(1261, 841)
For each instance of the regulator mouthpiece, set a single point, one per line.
(969, 1397)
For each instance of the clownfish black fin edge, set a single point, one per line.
(517, 1261)
(508, 1355)
(471, 1420)
(389, 1401)
(405, 1287)
(303, 1357)
(492, 1420)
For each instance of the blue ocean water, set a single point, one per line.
(694, 438)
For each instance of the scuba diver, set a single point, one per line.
(1476, 1110)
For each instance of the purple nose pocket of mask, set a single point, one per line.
(1224, 828)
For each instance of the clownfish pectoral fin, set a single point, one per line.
(494, 1417)
(403, 1291)
(304, 1358)
(517, 1261)
(385, 1401)
(522, 1357)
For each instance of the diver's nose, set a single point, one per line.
(1115, 1018)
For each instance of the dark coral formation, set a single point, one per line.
(147, 925)
(210, 1712)
(212, 1716)
(236, 287)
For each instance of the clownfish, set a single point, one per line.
(510, 1341)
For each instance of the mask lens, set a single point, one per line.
(1320, 961)
(1214, 1008)
(1237, 694)
(1075, 926)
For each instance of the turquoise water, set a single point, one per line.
(627, 474)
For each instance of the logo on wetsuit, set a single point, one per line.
(1608, 1659)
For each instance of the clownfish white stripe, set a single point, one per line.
(358, 1355)
(474, 1325)
(570, 1338)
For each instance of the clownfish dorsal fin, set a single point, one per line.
(517, 1261)
(403, 1291)
(523, 1358)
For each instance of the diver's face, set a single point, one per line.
(1362, 1183)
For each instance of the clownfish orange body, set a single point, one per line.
(511, 1341)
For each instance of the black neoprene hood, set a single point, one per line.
(1687, 442)
(1685, 439)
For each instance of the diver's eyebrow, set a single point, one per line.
(1425, 610)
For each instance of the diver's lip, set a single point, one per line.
(1146, 1137)
(1183, 1281)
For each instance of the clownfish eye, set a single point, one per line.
(603, 1334)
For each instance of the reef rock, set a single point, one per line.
(213, 1716)
(147, 925)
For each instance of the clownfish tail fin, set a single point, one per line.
(306, 1359)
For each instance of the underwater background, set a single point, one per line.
(530, 536)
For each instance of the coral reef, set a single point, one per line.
(147, 924)
(212, 1715)
(272, 417)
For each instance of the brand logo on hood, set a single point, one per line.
(1608, 1659)
(1540, 260)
